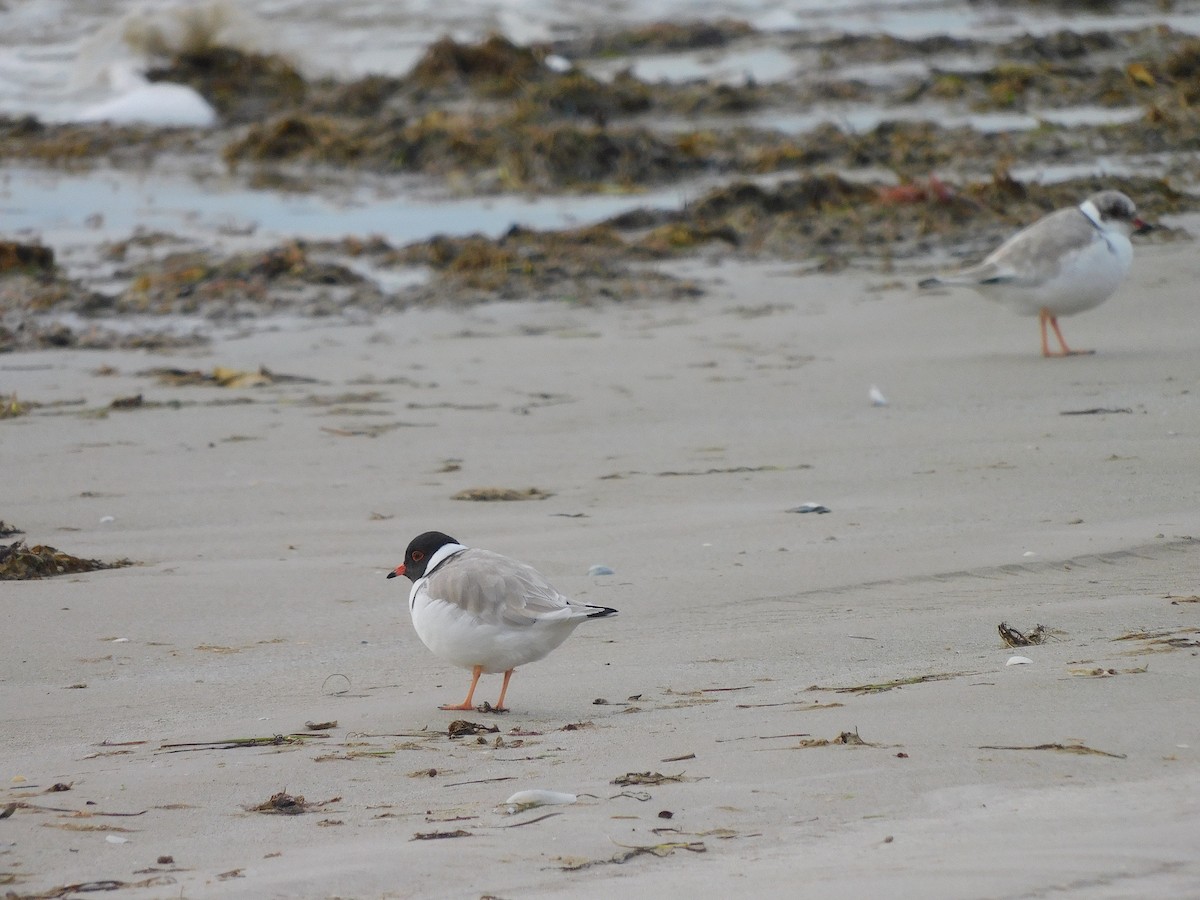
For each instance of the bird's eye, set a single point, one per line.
(418, 555)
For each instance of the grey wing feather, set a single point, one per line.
(496, 588)
(1034, 254)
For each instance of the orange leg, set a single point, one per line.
(504, 690)
(466, 704)
(1044, 317)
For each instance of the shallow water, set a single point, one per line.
(74, 212)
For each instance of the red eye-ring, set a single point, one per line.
(418, 555)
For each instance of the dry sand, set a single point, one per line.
(673, 439)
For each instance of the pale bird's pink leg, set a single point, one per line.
(1067, 351)
(466, 704)
(504, 690)
(1043, 317)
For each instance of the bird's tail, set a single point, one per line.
(599, 612)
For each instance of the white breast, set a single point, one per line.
(1084, 279)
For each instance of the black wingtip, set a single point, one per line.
(601, 612)
(928, 282)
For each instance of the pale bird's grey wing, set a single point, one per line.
(496, 589)
(1037, 254)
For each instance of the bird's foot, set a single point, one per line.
(457, 706)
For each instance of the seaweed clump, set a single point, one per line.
(30, 258)
(496, 67)
(19, 562)
(242, 87)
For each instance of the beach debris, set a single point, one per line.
(29, 258)
(935, 191)
(222, 376)
(1019, 661)
(1075, 747)
(287, 804)
(336, 683)
(542, 818)
(1095, 411)
(359, 754)
(19, 562)
(370, 431)
(845, 739)
(107, 884)
(275, 740)
(531, 799)
(321, 726)
(8, 810)
(733, 470)
(481, 781)
(647, 778)
(680, 758)
(628, 853)
(876, 396)
(462, 728)
(804, 705)
(11, 407)
(880, 687)
(116, 839)
(488, 494)
(135, 401)
(818, 508)
(7, 530)
(1162, 641)
(439, 835)
(1014, 638)
(599, 569)
(1175, 601)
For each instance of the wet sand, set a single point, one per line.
(673, 439)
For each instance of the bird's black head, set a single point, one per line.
(420, 551)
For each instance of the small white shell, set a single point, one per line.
(113, 839)
(523, 800)
(1019, 661)
(877, 398)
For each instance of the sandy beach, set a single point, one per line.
(672, 439)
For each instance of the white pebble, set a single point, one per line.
(877, 398)
(600, 570)
(1029, 553)
(105, 520)
(113, 839)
